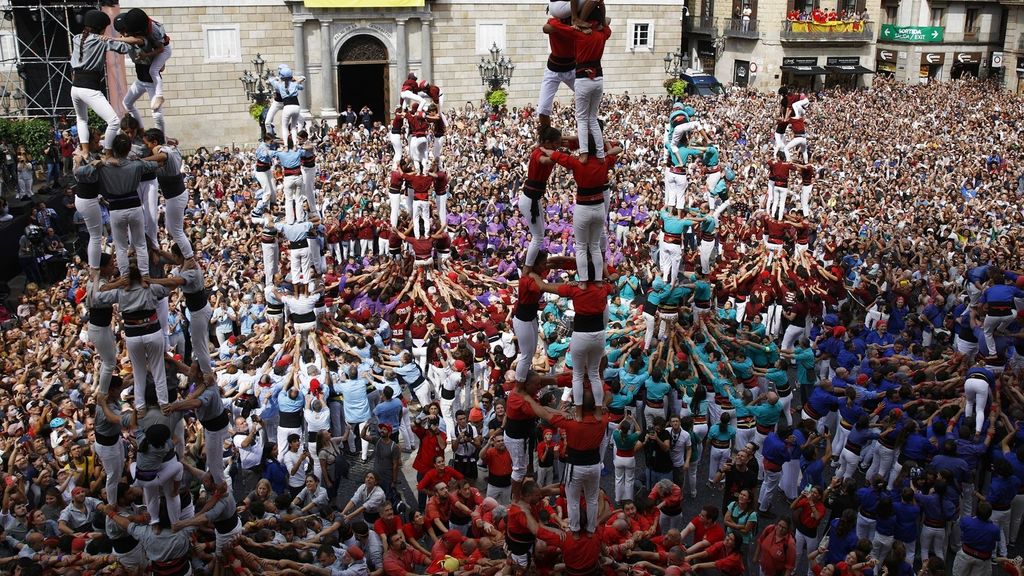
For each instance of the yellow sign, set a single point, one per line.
(363, 3)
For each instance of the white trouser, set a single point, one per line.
(291, 120)
(881, 545)
(301, 264)
(526, 335)
(438, 144)
(112, 458)
(675, 190)
(536, 227)
(550, 82)
(396, 148)
(165, 483)
(1001, 518)
(84, 99)
(268, 121)
(649, 329)
(710, 181)
(418, 152)
(126, 226)
(89, 208)
(174, 221)
(791, 479)
(625, 475)
(865, 527)
(993, 323)
(199, 333)
(805, 200)
(136, 91)
(881, 464)
(976, 391)
(587, 349)
(778, 208)
(666, 323)
(223, 542)
(155, 68)
(798, 107)
(560, 9)
(1016, 516)
(293, 207)
(315, 256)
(791, 335)
(932, 539)
(102, 338)
(717, 456)
(768, 487)
(447, 408)
(588, 101)
(502, 494)
(585, 479)
(741, 310)
(795, 143)
(965, 565)
(804, 546)
(421, 218)
(706, 248)
(396, 208)
(839, 439)
(408, 97)
(517, 451)
(588, 223)
(848, 463)
(266, 190)
(271, 258)
(214, 449)
(147, 190)
(442, 208)
(670, 255)
(146, 353)
(308, 189)
(772, 319)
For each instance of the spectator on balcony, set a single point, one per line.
(793, 15)
(818, 15)
(745, 18)
(832, 16)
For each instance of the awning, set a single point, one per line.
(804, 70)
(855, 69)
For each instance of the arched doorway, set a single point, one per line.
(363, 76)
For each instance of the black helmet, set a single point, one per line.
(136, 21)
(96, 20)
(119, 22)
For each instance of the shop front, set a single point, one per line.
(844, 72)
(966, 65)
(741, 73)
(801, 72)
(885, 63)
(931, 66)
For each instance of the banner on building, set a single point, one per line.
(919, 34)
(363, 3)
(826, 27)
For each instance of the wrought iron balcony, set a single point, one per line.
(703, 25)
(738, 28)
(829, 32)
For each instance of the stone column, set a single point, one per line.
(401, 62)
(426, 52)
(327, 58)
(299, 40)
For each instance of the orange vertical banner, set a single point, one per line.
(117, 84)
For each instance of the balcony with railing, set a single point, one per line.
(740, 28)
(851, 32)
(703, 25)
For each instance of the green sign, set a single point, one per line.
(918, 34)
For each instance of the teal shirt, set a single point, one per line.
(766, 414)
(715, 433)
(758, 355)
(674, 225)
(758, 329)
(726, 313)
(557, 349)
(632, 383)
(744, 369)
(701, 291)
(804, 360)
(778, 378)
(625, 441)
(710, 157)
(549, 329)
(618, 313)
(656, 391)
(625, 290)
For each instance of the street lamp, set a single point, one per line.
(496, 72)
(256, 87)
(677, 62)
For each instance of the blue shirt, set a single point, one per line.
(289, 158)
(389, 412)
(979, 535)
(906, 521)
(286, 404)
(775, 449)
(839, 546)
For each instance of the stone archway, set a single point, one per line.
(363, 76)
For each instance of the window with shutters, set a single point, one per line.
(938, 14)
(489, 34)
(971, 24)
(222, 43)
(641, 36)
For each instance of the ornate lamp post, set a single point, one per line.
(496, 72)
(677, 62)
(257, 88)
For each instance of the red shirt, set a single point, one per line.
(388, 528)
(433, 477)
(441, 184)
(424, 461)
(421, 185)
(581, 554)
(563, 51)
(529, 292)
(447, 320)
(440, 508)
(401, 563)
(417, 124)
(589, 301)
(729, 564)
(807, 175)
(582, 438)
(797, 125)
(396, 123)
(776, 230)
(396, 182)
(518, 527)
(589, 48)
(423, 248)
(499, 462)
(536, 170)
(780, 173)
(713, 533)
(591, 178)
(516, 407)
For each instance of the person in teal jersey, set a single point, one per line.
(712, 169)
(683, 383)
(550, 326)
(633, 379)
(671, 248)
(618, 311)
(553, 309)
(777, 377)
(803, 359)
(742, 367)
(701, 293)
(659, 290)
(756, 325)
(628, 284)
(721, 403)
(627, 441)
(726, 313)
(668, 310)
(656, 388)
(720, 439)
(556, 350)
(719, 199)
(708, 240)
(745, 421)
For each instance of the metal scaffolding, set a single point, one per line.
(35, 56)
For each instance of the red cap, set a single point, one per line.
(232, 339)
(77, 490)
(862, 379)
(838, 331)
(459, 366)
(314, 386)
(897, 412)
(355, 552)
(453, 276)
(881, 324)
(284, 361)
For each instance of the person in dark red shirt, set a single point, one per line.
(421, 185)
(589, 301)
(778, 185)
(499, 469)
(395, 136)
(723, 556)
(410, 91)
(520, 424)
(396, 190)
(441, 183)
(418, 126)
(537, 173)
(438, 129)
(560, 69)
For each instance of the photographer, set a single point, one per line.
(465, 445)
(657, 452)
(248, 440)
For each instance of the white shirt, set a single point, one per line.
(289, 459)
(678, 443)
